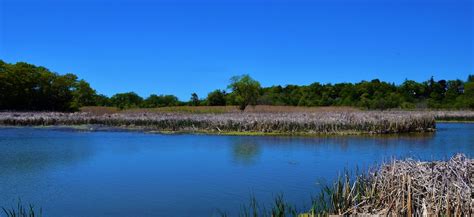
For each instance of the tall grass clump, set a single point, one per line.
(279, 208)
(22, 211)
(399, 188)
(373, 122)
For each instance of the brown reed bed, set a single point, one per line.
(460, 115)
(398, 188)
(370, 122)
(411, 188)
(440, 115)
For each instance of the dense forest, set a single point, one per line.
(25, 86)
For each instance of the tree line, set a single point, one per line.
(25, 86)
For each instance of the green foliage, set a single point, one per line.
(154, 101)
(245, 89)
(454, 89)
(375, 94)
(468, 97)
(83, 95)
(469, 89)
(25, 86)
(470, 78)
(102, 100)
(194, 101)
(216, 98)
(126, 100)
(28, 87)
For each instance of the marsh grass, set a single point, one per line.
(305, 123)
(217, 109)
(461, 115)
(22, 210)
(99, 110)
(184, 109)
(279, 208)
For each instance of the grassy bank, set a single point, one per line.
(399, 188)
(252, 123)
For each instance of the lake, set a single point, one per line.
(76, 173)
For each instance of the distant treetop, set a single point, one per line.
(25, 86)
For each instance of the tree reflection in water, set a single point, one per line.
(245, 150)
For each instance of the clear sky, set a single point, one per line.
(184, 46)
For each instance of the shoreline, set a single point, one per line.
(455, 121)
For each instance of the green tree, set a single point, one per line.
(126, 100)
(194, 101)
(83, 95)
(411, 90)
(62, 94)
(454, 90)
(468, 97)
(216, 98)
(470, 78)
(271, 96)
(245, 89)
(154, 101)
(102, 100)
(25, 86)
(3, 84)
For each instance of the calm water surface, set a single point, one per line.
(71, 173)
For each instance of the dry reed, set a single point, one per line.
(374, 122)
(410, 188)
(461, 115)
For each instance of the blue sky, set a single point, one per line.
(183, 46)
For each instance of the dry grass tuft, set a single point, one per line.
(410, 188)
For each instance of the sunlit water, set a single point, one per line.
(72, 173)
